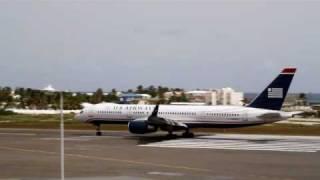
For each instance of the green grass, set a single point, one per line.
(48, 122)
(52, 122)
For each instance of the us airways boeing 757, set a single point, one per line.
(142, 119)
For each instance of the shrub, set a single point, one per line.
(4, 112)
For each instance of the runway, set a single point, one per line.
(34, 154)
(245, 142)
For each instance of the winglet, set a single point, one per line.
(155, 111)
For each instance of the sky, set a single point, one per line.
(84, 45)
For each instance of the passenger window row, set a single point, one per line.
(144, 112)
(223, 114)
(109, 112)
(178, 113)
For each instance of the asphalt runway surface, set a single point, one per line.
(35, 154)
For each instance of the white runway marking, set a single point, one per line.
(165, 173)
(246, 142)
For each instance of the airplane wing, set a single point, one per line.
(154, 119)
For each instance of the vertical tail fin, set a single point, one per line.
(272, 97)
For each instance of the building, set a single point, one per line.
(224, 96)
(169, 94)
(199, 96)
(134, 98)
(228, 96)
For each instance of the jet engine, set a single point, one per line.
(141, 127)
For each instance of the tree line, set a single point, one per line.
(27, 98)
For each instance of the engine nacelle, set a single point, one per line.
(141, 127)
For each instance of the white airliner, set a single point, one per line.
(141, 119)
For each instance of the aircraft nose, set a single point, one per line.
(78, 116)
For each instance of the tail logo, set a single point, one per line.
(275, 93)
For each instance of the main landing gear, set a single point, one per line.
(170, 135)
(188, 134)
(98, 130)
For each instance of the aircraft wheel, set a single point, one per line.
(99, 133)
(98, 130)
(188, 135)
(171, 136)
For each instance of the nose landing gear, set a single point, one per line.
(98, 130)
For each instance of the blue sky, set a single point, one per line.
(83, 45)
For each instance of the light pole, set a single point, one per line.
(61, 136)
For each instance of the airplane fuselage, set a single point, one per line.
(192, 116)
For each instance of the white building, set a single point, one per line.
(228, 96)
(224, 96)
(130, 97)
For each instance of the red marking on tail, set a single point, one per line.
(289, 70)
